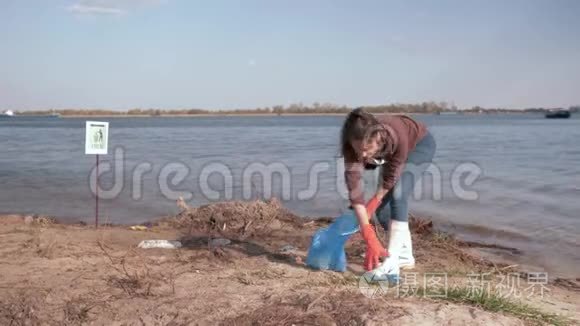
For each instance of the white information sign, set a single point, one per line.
(97, 137)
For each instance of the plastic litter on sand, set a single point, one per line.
(163, 244)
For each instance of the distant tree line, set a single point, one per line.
(298, 108)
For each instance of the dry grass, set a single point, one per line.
(47, 250)
(142, 278)
(330, 307)
(43, 221)
(76, 310)
(21, 308)
(332, 279)
(44, 248)
(235, 220)
(137, 282)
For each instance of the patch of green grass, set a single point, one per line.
(495, 303)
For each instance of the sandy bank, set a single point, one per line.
(74, 274)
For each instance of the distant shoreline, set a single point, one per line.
(198, 115)
(424, 108)
(204, 115)
(233, 114)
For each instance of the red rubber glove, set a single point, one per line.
(372, 205)
(375, 249)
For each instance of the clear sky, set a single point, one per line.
(122, 54)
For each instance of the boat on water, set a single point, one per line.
(8, 114)
(558, 114)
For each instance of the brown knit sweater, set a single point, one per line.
(403, 133)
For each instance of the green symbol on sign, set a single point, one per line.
(98, 141)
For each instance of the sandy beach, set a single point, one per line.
(56, 274)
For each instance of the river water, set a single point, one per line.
(512, 180)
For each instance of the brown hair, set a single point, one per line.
(359, 125)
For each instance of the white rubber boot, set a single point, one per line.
(389, 269)
(406, 259)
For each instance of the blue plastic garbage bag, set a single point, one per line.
(327, 248)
